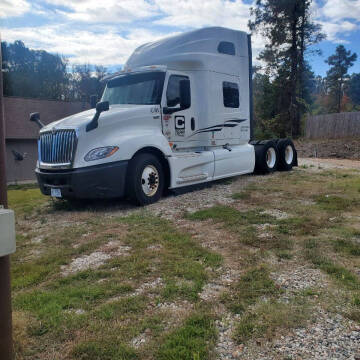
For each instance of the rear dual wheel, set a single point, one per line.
(287, 154)
(274, 155)
(266, 157)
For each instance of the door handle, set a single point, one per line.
(192, 124)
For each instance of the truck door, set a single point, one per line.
(180, 123)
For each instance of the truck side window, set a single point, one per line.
(226, 47)
(231, 94)
(173, 90)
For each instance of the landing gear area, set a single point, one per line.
(272, 155)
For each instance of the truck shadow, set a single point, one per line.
(122, 204)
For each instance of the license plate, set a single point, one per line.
(56, 193)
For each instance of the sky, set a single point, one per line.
(106, 32)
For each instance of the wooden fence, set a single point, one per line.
(332, 126)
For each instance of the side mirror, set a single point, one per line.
(185, 95)
(102, 106)
(35, 117)
(93, 101)
(168, 110)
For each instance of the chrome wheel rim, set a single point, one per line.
(270, 157)
(289, 154)
(150, 180)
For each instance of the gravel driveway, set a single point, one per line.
(329, 337)
(330, 163)
(326, 336)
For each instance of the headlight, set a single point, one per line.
(100, 153)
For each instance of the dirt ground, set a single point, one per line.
(329, 148)
(96, 281)
(330, 163)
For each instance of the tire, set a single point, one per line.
(287, 154)
(145, 179)
(266, 157)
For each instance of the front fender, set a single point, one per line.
(128, 143)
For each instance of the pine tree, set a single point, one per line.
(354, 89)
(340, 63)
(289, 31)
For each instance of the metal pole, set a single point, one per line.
(6, 342)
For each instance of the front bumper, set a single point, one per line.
(92, 182)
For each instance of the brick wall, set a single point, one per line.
(21, 170)
(21, 134)
(17, 112)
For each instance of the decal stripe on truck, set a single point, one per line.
(228, 123)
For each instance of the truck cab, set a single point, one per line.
(178, 114)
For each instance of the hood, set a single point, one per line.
(80, 120)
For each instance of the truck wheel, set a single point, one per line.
(266, 157)
(145, 180)
(287, 154)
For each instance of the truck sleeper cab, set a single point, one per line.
(179, 114)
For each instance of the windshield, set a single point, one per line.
(141, 89)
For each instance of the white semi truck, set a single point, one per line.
(180, 113)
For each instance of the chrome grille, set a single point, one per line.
(57, 147)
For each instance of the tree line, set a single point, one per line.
(39, 74)
(285, 87)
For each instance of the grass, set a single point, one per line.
(284, 254)
(182, 262)
(255, 297)
(347, 247)
(97, 313)
(326, 225)
(241, 196)
(300, 225)
(267, 319)
(335, 203)
(337, 272)
(231, 216)
(243, 224)
(25, 200)
(50, 305)
(104, 350)
(23, 186)
(56, 250)
(254, 284)
(116, 309)
(191, 341)
(97, 310)
(341, 276)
